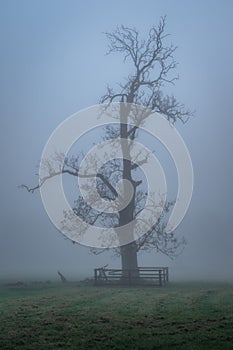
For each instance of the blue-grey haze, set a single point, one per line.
(53, 64)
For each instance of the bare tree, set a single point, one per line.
(152, 62)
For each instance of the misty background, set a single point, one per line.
(53, 64)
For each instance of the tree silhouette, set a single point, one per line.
(152, 62)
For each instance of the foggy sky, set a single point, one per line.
(53, 64)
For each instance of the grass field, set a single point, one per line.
(177, 316)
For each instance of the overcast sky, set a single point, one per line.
(53, 64)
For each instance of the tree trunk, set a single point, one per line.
(129, 259)
(129, 251)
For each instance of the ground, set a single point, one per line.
(182, 316)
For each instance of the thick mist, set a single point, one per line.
(53, 64)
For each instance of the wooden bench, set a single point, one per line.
(156, 276)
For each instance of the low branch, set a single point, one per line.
(76, 173)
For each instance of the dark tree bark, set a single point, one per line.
(128, 252)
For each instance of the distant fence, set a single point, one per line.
(156, 276)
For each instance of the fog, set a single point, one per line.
(53, 64)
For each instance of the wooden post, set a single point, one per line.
(166, 274)
(130, 277)
(62, 277)
(160, 278)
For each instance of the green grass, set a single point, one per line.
(178, 316)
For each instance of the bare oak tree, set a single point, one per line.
(152, 63)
